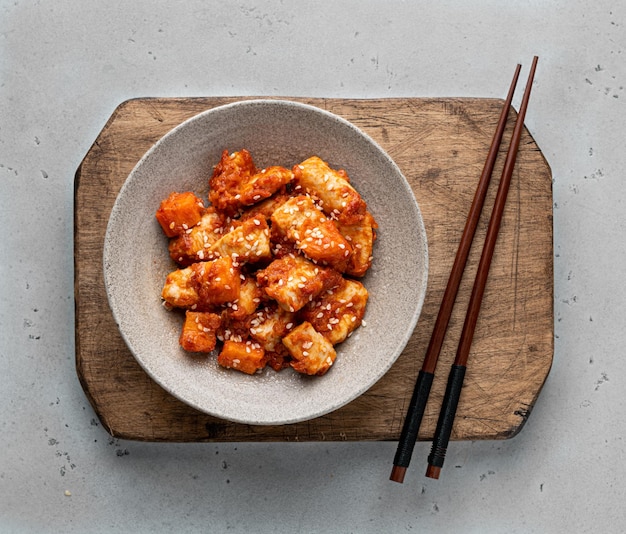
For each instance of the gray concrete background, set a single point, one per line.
(65, 66)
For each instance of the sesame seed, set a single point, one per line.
(172, 225)
(305, 353)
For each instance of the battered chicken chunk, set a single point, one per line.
(338, 198)
(293, 281)
(361, 237)
(194, 243)
(199, 331)
(202, 285)
(178, 212)
(270, 324)
(236, 183)
(244, 356)
(312, 353)
(247, 242)
(338, 311)
(313, 234)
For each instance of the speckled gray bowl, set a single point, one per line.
(136, 261)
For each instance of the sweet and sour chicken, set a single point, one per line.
(267, 271)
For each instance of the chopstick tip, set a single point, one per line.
(433, 472)
(397, 474)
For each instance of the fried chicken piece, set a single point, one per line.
(199, 331)
(248, 241)
(313, 234)
(193, 245)
(312, 353)
(338, 311)
(236, 183)
(244, 356)
(179, 212)
(337, 197)
(361, 237)
(293, 281)
(202, 285)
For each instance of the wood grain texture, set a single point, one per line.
(440, 145)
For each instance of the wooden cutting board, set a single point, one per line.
(440, 145)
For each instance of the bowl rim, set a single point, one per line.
(417, 308)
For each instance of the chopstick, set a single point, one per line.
(457, 372)
(417, 405)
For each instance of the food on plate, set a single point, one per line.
(267, 273)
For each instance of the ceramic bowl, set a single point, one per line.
(136, 260)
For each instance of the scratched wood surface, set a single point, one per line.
(440, 145)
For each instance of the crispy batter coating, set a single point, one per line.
(265, 207)
(179, 212)
(228, 174)
(199, 331)
(361, 237)
(236, 183)
(244, 356)
(338, 311)
(246, 242)
(202, 285)
(194, 243)
(312, 353)
(338, 198)
(270, 324)
(313, 234)
(293, 281)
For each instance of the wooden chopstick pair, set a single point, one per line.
(417, 405)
